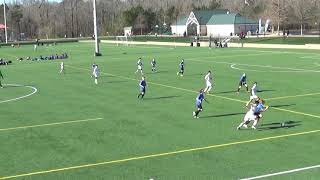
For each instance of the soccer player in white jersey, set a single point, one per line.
(208, 79)
(62, 68)
(96, 73)
(254, 90)
(140, 66)
(250, 116)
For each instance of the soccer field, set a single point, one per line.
(57, 126)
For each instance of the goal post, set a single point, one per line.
(123, 40)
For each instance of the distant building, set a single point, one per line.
(127, 31)
(219, 22)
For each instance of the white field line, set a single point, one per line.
(282, 173)
(35, 90)
(233, 66)
(252, 65)
(49, 124)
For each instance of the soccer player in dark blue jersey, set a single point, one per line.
(1, 77)
(153, 65)
(181, 65)
(142, 85)
(243, 82)
(199, 100)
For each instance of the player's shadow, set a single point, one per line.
(283, 105)
(265, 90)
(161, 97)
(158, 72)
(279, 125)
(198, 74)
(225, 92)
(223, 115)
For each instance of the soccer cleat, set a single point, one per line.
(177, 73)
(238, 128)
(181, 75)
(253, 127)
(245, 126)
(193, 113)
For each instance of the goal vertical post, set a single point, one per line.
(97, 49)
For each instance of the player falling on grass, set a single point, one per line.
(261, 107)
(254, 90)
(243, 82)
(181, 66)
(142, 85)
(140, 66)
(251, 106)
(153, 65)
(1, 77)
(96, 73)
(199, 100)
(208, 78)
(62, 70)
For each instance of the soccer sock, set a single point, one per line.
(197, 112)
(142, 95)
(96, 81)
(255, 123)
(247, 88)
(139, 95)
(241, 124)
(209, 89)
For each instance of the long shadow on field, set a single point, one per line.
(283, 105)
(161, 97)
(157, 72)
(120, 81)
(225, 92)
(223, 115)
(279, 125)
(266, 90)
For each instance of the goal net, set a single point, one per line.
(123, 40)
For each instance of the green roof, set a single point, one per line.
(181, 21)
(215, 17)
(203, 16)
(231, 18)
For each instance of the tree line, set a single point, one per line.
(73, 18)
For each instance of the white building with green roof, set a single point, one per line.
(217, 22)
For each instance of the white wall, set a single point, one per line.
(179, 30)
(220, 30)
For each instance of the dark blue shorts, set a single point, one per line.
(142, 89)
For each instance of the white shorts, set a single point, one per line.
(249, 116)
(139, 67)
(253, 97)
(209, 84)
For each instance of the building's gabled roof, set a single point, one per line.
(203, 16)
(216, 17)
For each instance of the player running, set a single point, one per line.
(243, 82)
(251, 106)
(140, 66)
(1, 77)
(142, 85)
(153, 65)
(261, 107)
(92, 68)
(62, 70)
(208, 79)
(181, 65)
(254, 90)
(96, 73)
(199, 100)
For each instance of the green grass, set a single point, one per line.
(160, 123)
(281, 40)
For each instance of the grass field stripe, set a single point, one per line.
(187, 90)
(49, 124)
(286, 97)
(283, 172)
(156, 155)
(296, 112)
